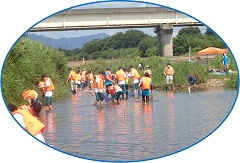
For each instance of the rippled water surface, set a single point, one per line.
(132, 131)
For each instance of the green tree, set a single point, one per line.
(189, 31)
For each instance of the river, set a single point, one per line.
(133, 131)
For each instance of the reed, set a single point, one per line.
(25, 64)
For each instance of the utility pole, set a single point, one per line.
(189, 59)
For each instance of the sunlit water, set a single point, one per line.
(132, 131)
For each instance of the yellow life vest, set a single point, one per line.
(78, 77)
(120, 75)
(136, 75)
(29, 94)
(33, 125)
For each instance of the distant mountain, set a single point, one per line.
(66, 43)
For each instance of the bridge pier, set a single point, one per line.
(164, 33)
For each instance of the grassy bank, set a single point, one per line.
(25, 64)
(158, 64)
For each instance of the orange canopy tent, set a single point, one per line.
(211, 50)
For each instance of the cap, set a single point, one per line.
(109, 68)
(168, 63)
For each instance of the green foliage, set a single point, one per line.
(189, 31)
(157, 65)
(232, 81)
(192, 37)
(25, 64)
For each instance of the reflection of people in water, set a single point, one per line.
(148, 122)
(171, 115)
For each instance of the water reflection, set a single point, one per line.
(133, 130)
(171, 115)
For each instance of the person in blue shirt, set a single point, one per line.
(226, 62)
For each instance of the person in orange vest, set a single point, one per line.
(168, 72)
(30, 96)
(71, 79)
(116, 92)
(98, 86)
(48, 90)
(28, 121)
(121, 79)
(135, 80)
(146, 85)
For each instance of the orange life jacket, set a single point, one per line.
(29, 94)
(109, 75)
(169, 71)
(33, 125)
(146, 83)
(51, 87)
(99, 84)
(136, 75)
(111, 90)
(72, 76)
(120, 75)
(95, 83)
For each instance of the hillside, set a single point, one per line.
(66, 43)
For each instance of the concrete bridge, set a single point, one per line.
(162, 20)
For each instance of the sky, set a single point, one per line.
(79, 33)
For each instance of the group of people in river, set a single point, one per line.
(106, 84)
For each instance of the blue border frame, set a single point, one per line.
(122, 1)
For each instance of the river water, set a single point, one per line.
(132, 131)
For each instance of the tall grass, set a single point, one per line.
(25, 64)
(157, 65)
